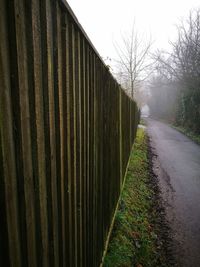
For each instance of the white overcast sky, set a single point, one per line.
(105, 20)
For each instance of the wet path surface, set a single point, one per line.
(177, 164)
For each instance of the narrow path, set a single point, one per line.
(177, 165)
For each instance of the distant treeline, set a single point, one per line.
(175, 89)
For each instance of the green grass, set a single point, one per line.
(191, 135)
(142, 122)
(133, 241)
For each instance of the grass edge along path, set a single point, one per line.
(194, 137)
(134, 241)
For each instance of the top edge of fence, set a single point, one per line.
(69, 9)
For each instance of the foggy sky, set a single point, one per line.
(104, 21)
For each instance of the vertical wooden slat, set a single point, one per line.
(39, 115)
(61, 72)
(4, 248)
(21, 29)
(73, 141)
(75, 118)
(80, 150)
(91, 156)
(87, 154)
(57, 52)
(94, 162)
(68, 124)
(84, 152)
(102, 158)
(7, 144)
(50, 135)
(91, 166)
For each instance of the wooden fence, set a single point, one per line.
(66, 131)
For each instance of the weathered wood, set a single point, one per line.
(50, 135)
(84, 151)
(66, 130)
(22, 69)
(62, 148)
(67, 190)
(8, 161)
(87, 156)
(57, 53)
(41, 181)
(80, 150)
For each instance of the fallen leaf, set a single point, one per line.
(135, 235)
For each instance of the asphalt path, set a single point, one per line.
(177, 164)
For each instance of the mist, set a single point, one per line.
(175, 85)
(145, 45)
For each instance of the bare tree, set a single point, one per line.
(133, 64)
(183, 63)
(182, 66)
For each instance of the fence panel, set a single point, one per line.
(66, 132)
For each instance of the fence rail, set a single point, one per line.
(66, 131)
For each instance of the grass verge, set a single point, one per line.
(142, 122)
(134, 241)
(191, 135)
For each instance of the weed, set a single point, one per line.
(133, 240)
